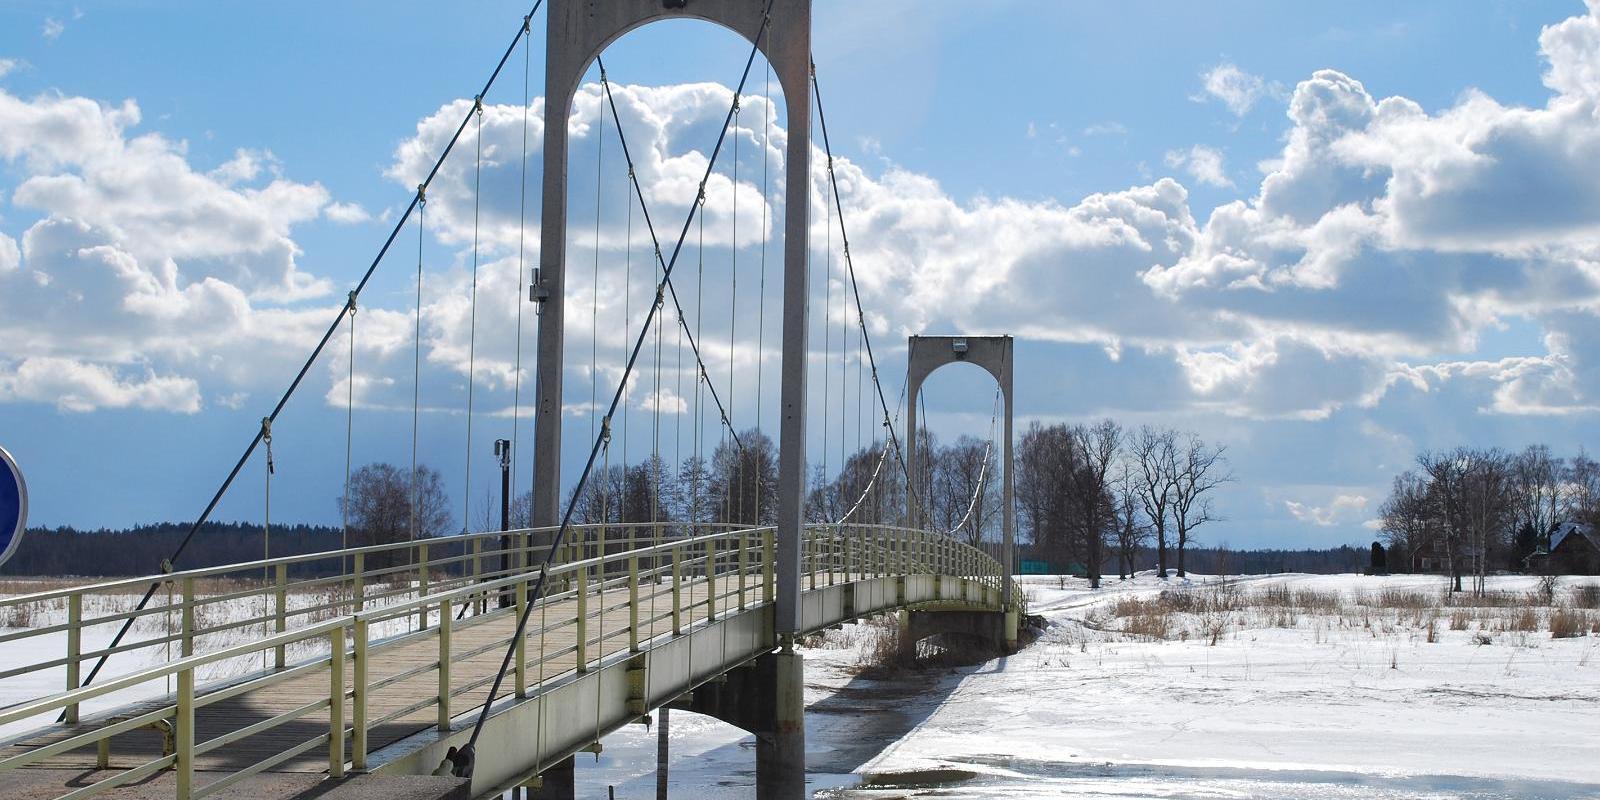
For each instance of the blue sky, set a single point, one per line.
(1325, 236)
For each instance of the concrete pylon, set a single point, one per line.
(993, 353)
(578, 30)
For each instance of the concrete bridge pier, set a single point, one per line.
(995, 630)
(767, 698)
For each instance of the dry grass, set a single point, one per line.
(1569, 623)
(1527, 621)
(1211, 611)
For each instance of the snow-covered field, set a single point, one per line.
(1354, 702)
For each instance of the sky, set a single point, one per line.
(1324, 237)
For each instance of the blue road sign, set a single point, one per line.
(13, 505)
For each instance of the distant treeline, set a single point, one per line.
(1220, 561)
(1226, 561)
(140, 550)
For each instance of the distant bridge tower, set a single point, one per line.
(578, 31)
(993, 353)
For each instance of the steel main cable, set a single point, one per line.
(644, 208)
(316, 352)
(461, 760)
(866, 340)
(883, 456)
(983, 470)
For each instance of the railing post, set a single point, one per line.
(583, 618)
(769, 587)
(677, 591)
(849, 562)
(828, 546)
(359, 585)
(281, 600)
(187, 615)
(74, 648)
(633, 601)
(711, 579)
(444, 664)
(422, 584)
(744, 564)
(358, 700)
(480, 604)
(336, 704)
(184, 723)
(522, 641)
(809, 560)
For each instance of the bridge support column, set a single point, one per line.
(557, 782)
(781, 756)
(766, 698)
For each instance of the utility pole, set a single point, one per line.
(502, 448)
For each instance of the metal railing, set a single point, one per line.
(612, 589)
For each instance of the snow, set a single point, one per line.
(1318, 710)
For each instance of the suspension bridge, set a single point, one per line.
(472, 664)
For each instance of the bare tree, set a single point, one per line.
(1537, 478)
(1490, 508)
(380, 507)
(1155, 451)
(1131, 532)
(744, 481)
(1199, 470)
(962, 482)
(1581, 498)
(1405, 518)
(1045, 461)
(1446, 505)
(1090, 485)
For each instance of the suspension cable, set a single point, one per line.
(855, 288)
(416, 366)
(737, 483)
(305, 368)
(827, 337)
(522, 225)
(461, 760)
(349, 430)
(983, 470)
(693, 337)
(761, 306)
(472, 325)
(883, 457)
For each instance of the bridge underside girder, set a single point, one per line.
(526, 737)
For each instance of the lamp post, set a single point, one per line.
(502, 448)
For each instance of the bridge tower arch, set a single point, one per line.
(925, 354)
(578, 31)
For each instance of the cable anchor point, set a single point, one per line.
(266, 439)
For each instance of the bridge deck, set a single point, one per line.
(471, 675)
(373, 636)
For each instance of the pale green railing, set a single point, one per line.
(387, 597)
